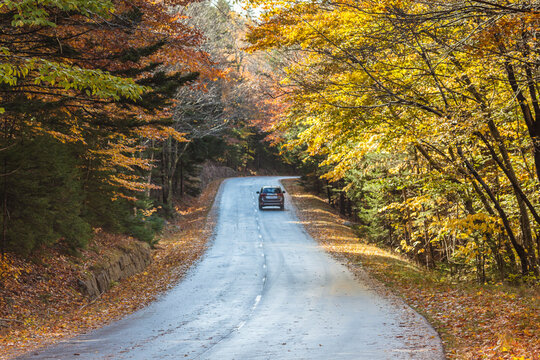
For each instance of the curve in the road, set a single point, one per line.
(263, 290)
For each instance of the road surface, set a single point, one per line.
(263, 290)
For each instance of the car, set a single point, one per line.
(271, 196)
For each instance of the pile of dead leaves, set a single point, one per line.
(475, 322)
(40, 300)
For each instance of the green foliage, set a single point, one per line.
(90, 135)
(36, 13)
(93, 82)
(145, 228)
(119, 215)
(370, 192)
(95, 77)
(44, 200)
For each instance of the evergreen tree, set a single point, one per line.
(44, 199)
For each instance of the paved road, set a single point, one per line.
(263, 290)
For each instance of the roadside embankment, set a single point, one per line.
(475, 322)
(44, 302)
(121, 262)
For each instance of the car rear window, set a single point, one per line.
(271, 190)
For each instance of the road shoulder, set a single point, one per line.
(334, 235)
(180, 247)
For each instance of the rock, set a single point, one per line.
(125, 261)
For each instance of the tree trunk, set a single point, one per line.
(149, 177)
(523, 202)
(519, 249)
(349, 207)
(4, 211)
(181, 178)
(329, 193)
(495, 248)
(342, 203)
(532, 121)
(469, 206)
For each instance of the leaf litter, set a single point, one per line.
(475, 321)
(41, 302)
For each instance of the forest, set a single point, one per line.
(109, 108)
(418, 119)
(421, 120)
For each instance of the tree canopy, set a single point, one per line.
(116, 104)
(425, 113)
(97, 77)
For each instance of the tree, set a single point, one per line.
(217, 109)
(419, 81)
(92, 74)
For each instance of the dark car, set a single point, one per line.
(271, 196)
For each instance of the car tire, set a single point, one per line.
(260, 207)
(282, 207)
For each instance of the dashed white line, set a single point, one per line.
(257, 300)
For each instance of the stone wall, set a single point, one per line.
(120, 263)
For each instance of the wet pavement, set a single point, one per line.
(263, 290)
